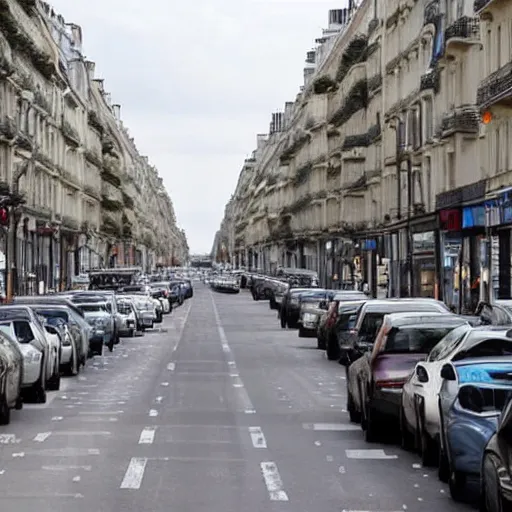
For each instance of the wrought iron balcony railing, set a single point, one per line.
(463, 28)
(496, 87)
(464, 119)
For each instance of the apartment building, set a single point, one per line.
(89, 199)
(392, 164)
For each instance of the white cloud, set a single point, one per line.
(197, 81)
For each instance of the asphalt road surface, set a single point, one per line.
(218, 411)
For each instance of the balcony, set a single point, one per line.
(461, 120)
(70, 134)
(496, 89)
(461, 34)
(483, 7)
(430, 80)
(431, 13)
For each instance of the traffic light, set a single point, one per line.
(4, 216)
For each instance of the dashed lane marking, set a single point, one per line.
(257, 437)
(332, 427)
(134, 473)
(42, 437)
(374, 454)
(273, 481)
(153, 413)
(147, 436)
(171, 367)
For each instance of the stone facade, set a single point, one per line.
(90, 199)
(382, 170)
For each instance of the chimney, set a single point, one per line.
(100, 82)
(350, 6)
(261, 139)
(76, 36)
(308, 73)
(335, 17)
(288, 110)
(108, 98)
(116, 109)
(90, 66)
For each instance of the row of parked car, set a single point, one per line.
(443, 381)
(43, 338)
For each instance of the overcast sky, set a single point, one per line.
(197, 80)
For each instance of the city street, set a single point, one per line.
(220, 410)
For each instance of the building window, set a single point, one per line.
(428, 118)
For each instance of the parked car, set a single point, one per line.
(102, 322)
(375, 380)
(473, 394)
(369, 317)
(59, 317)
(40, 360)
(496, 471)
(127, 311)
(420, 423)
(11, 375)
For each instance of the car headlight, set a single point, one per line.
(101, 322)
(309, 317)
(294, 301)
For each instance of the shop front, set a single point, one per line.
(499, 252)
(463, 245)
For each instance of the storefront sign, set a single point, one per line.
(493, 213)
(369, 244)
(450, 220)
(473, 216)
(423, 242)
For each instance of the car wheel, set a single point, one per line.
(5, 412)
(354, 415)
(428, 448)
(320, 342)
(131, 333)
(333, 349)
(406, 438)
(370, 433)
(302, 332)
(54, 383)
(457, 484)
(491, 499)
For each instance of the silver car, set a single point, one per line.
(98, 317)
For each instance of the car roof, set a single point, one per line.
(423, 318)
(350, 304)
(8, 313)
(391, 305)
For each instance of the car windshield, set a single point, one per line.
(93, 308)
(124, 308)
(415, 339)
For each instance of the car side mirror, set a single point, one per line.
(448, 373)
(51, 329)
(421, 374)
(471, 399)
(344, 359)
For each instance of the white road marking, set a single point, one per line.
(273, 481)
(238, 385)
(234, 375)
(57, 418)
(147, 436)
(13, 496)
(134, 474)
(374, 454)
(42, 437)
(96, 419)
(329, 458)
(165, 384)
(67, 468)
(231, 363)
(342, 470)
(318, 443)
(257, 437)
(250, 411)
(171, 367)
(68, 433)
(2, 472)
(159, 399)
(333, 427)
(99, 413)
(9, 439)
(18, 455)
(153, 413)
(76, 478)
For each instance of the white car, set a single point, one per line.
(420, 394)
(11, 371)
